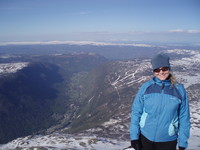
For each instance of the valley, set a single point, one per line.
(82, 100)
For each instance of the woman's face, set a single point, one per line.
(162, 73)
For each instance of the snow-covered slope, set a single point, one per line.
(195, 126)
(11, 67)
(58, 141)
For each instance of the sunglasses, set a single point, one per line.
(159, 69)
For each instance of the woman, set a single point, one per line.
(160, 112)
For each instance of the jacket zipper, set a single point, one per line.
(162, 91)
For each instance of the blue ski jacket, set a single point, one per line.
(161, 113)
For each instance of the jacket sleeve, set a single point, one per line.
(137, 110)
(184, 120)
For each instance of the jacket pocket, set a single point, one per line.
(143, 119)
(173, 128)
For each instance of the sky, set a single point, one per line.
(100, 20)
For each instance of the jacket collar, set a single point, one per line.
(161, 82)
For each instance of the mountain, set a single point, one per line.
(100, 98)
(108, 50)
(106, 92)
(34, 94)
(115, 50)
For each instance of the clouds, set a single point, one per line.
(184, 31)
(84, 13)
(171, 36)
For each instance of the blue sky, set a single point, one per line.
(100, 20)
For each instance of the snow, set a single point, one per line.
(129, 149)
(193, 57)
(75, 43)
(58, 141)
(195, 125)
(193, 142)
(110, 122)
(128, 76)
(11, 67)
(187, 80)
(65, 141)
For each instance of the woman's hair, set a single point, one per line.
(172, 79)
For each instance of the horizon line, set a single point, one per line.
(74, 43)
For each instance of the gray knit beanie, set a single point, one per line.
(160, 60)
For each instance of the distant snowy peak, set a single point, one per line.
(182, 51)
(75, 43)
(186, 57)
(185, 64)
(6, 68)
